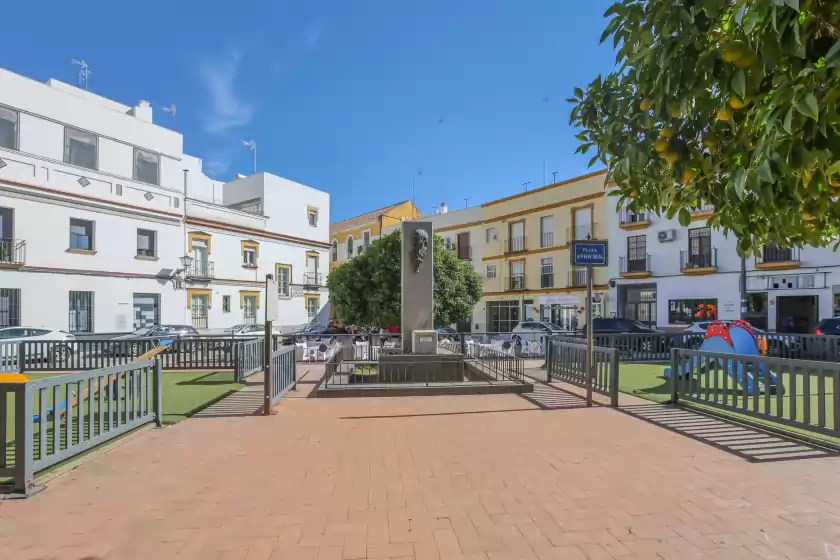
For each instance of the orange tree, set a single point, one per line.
(724, 102)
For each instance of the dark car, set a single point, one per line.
(829, 327)
(612, 325)
(312, 330)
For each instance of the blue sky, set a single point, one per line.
(350, 97)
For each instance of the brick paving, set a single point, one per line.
(490, 477)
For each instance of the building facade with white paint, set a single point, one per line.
(671, 276)
(98, 207)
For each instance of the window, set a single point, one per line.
(81, 235)
(687, 311)
(284, 280)
(8, 128)
(517, 275)
(334, 251)
(146, 310)
(582, 223)
(81, 312)
(80, 148)
(312, 305)
(547, 272)
(118, 190)
(226, 304)
(637, 254)
(491, 271)
(492, 235)
(176, 202)
(464, 250)
(146, 166)
(199, 306)
(312, 213)
(547, 231)
(349, 247)
(249, 309)
(365, 238)
(146, 243)
(9, 307)
(249, 257)
(502, 316)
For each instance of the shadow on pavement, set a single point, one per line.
(747, 442)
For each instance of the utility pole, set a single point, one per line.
(743, 288)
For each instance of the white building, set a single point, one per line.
(98, 206)
(671, 276)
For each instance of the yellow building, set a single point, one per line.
(352, 236)
(520, 247)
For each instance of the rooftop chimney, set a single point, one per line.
(443, 208)
(142, 111)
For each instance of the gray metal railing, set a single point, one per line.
(57, 418)
(250, 358)
(803, 394)
(12, 251)
(201, 269)
(74, 355)
(773, 254)
(282, 376)
(566, 361)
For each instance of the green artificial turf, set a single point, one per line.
(184, 394)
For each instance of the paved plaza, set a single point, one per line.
(457, 477)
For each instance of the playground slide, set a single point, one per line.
(742, 343)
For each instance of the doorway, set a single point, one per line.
(796, 314)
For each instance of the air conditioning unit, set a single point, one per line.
(667, 235)
(449, 244)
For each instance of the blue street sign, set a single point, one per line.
(589, 252)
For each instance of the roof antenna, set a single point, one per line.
(466, 199)
(525, 184)
(84, 72)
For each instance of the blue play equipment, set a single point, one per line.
(743, 343)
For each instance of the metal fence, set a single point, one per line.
(73, 355)
(656, 347)
(319, 348)
(51, 420)
(250, 358)
(282, 376)
(804, 394)
(566, 361)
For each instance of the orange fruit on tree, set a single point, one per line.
(646, 104)
(667, 132)
(736, 103)
(687, 175)
(672, 158)
(724, 114)
(661, 146)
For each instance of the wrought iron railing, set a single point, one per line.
(201, 269)
(515, 244)
(773, 254)
(704, 258)
(12, 251)
(313, 279)
(637, 264)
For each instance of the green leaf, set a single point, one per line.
(593, 160)
(764, 172)
(739, 84)
(833, 169)
(740, 181)
(578, 93)
(685, 217)
(793, 4)
(832, 57)
(808, 107)
(787, 122)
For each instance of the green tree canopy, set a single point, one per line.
(724, 102)
(366, 289)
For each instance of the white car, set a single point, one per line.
(535, 330)
(10, 336)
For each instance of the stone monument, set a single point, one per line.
(417, 280)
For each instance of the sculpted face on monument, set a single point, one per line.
(421, 245)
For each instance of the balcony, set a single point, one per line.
(547, 239)
(12, 252)
(515, 284)
(577, 278)
(515, 245)
(637, 267)
(201, 270)
(699, 262)
(777, 258)
(582, 233)
(313, 279)
(702, 212)
(630, 220)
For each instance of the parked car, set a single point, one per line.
(158, 334)
(830, 327)
(310, 330)
(448, 333)
(534, 330)
(246, 331)
(778, 344)
(58, 352)
(614, 325)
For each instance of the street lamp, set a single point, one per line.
(186, 261)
